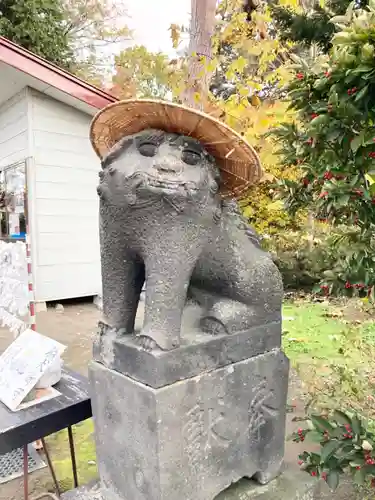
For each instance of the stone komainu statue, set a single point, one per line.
(167, 218)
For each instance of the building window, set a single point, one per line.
(13, 202)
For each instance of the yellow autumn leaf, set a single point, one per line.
(370, 179)
(197, 97)
(243, 91)
(255, 101)
(175, 35)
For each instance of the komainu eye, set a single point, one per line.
(191, 157)
(147, 149)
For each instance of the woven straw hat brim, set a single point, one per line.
(238, 162)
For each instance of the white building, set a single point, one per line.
(45, 153)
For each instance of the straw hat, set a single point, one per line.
(238, 162)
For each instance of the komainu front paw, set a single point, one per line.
(213, 326)
(146, 343)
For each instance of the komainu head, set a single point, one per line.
(154, 163)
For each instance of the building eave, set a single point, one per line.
(50, 74)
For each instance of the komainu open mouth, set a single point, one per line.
(168, 184)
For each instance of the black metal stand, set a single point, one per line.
(73, 456)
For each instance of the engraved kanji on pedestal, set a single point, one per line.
(201, 434)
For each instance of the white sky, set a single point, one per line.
(151, 19)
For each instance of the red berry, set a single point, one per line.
(327, 74)
(328, 175)
(358, 467)
(313, 473)
(314, 115)
(372, 154)
(300, 76)
(300, 462)
(348, 285)
(306, 181)
(323, 194)
(324, 476)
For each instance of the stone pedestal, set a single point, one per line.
(190, 439)
(291, 485)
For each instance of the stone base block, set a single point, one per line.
(198, 352)
(289, 486)
(190, 440)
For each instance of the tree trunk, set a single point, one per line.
(202, 26)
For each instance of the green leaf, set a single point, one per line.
(369, 470)
(315, 458)
(369, 138)
(342, 201)
(320, 84)
(321, 424)
(354, 180)
(361, 94)
(329, 449)
(333, 479)
(315, 436)
(319, 120)
(333, 134)
(358, 462)
(342, 418)
(359, 476)
(357, 426)
(357, 142)
(342, 37)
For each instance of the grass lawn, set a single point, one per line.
(85, 455)
(331, 347)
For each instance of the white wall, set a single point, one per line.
(13, 130)
(65, 203)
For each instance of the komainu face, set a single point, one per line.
(160, 163)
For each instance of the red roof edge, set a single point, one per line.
(37, 67)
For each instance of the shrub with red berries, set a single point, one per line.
(332, 143)
(346, 446)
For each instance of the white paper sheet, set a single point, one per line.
(23, 364)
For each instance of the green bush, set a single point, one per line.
(332, 144)
(301, 261)
(335, 261)
(346, 446)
